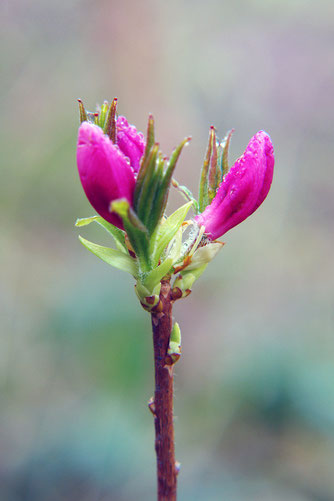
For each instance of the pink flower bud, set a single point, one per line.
(131, 142)
(242, 190)
(105, 171)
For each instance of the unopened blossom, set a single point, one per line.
(130, 142)
(107, 170)
(242, 190)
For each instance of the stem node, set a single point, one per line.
(151, 406)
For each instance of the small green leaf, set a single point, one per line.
(166, 231)
(174, 348)
(136, 231)
(154, 276)
(116, 233)
(144, 161)
(186, 279)
(175, 336)
(152, 211)
(113, 257)
(186, 193)
(172, 161)
(84, 221)
(174, 249)
(203, 255)
(122, 207)
(143, 292)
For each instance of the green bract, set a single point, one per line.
(113, 257)
(148, 259)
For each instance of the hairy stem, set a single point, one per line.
(162, 407)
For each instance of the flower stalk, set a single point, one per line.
(162, 405)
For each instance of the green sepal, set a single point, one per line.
(103, 114)
(136, 231)
(223, 153)
(166, 231)
(83, 114)
(214, 168)
(117, 234)
(213, 174)
(203, 199)
(113, 257)
(110, 121)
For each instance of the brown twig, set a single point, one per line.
(163, 399)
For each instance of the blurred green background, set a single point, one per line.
(255, 388)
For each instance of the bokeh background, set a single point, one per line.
(255, 388)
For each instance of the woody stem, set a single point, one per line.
(163, 399)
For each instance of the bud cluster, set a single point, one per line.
(127, 180)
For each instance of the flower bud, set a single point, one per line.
(242, 190)
(104, 170)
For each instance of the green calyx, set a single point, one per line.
(214, 168)
(136, 232)
(105, 117)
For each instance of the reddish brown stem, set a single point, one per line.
(163, 399)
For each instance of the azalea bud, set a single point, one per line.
(242, 190)
(105, 172)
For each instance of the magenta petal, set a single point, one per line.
(131, 142)
(242, 190)
(104, 171)
(268, 175)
